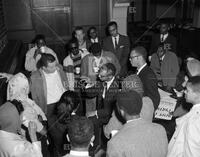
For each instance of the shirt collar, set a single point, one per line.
(110, 82)
(132, 120)
(79, 153)
(142, 67)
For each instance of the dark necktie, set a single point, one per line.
(104, 89)
(115, 42)
(162, 38)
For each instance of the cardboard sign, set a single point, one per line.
(166, 108)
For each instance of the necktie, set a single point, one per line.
(115, 42)
(162, 38)
(104, 89)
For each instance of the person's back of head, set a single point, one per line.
(80, 132)
(96, 49)
(45, 59)
(129, 104)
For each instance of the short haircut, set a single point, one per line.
(39, 37)
(195, 83)
(110, 67)
(80, 132)
(45, 59)
(130, 102)
(78, 28)
(95, 48)
(112, 23)
(72, 41)
(88, 32)
(141, 51)
(133, 83)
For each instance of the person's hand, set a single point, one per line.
(40, 118)
(85, 79)
(178, 93)
(32, 128)
(91, 114)
(37, 52)
(6, 75)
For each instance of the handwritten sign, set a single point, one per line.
(166, 108)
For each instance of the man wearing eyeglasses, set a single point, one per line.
(72, 63)
(138, 59)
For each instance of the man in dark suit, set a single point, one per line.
(137, 137)
(119, 45)
(164, 37)
(105, 91)
(93, 36)
(138, 59)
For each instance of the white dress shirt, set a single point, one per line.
(108, 86)
(138, 71)
(113, 40)
(55, 87)
(186, 139)
(163, 37)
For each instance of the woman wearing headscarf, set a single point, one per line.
(12, 144)
(18, 89)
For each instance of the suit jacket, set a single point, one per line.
(139, 138)
(122, 51)
(150, 85)
(168, 70)
(105, 105)
(171, 40)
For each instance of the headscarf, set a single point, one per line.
(193, 67)
(9, 118)
(18, 88)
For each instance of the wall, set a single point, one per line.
(3, 37)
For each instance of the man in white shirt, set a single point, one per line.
(186, 139)
(81, 135)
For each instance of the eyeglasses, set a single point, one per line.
(131, 57)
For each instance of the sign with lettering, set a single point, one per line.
(166, 108)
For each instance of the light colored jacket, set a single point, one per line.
(147, 112)
(38, 87)
(30, 62)
(169, 68)
(69, 62)
(186, 139)
(138, 138)
(13, 145)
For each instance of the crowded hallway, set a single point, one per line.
(102, 78)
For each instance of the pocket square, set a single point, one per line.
(121, 46)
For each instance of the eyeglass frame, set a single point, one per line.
(130, 58)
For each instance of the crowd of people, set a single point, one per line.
(94, 104)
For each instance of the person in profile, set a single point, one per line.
(81, 135)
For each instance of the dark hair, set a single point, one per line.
(80, 132)
(130, 102)
(111, 67)
(45, 59)
(95, 48)
(112, 23)
(141, 51)
(18, 105)
(71, 100)
(88, 32)
(195, 82)
(39, 37)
